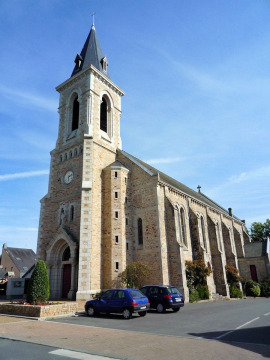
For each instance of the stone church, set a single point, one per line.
(106, 208)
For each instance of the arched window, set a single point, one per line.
(71, 213)
(70, 154)
(66, 254)
(75, 114)
(140, 232)
(218, 237)
(62, 214)
(104, 115)
(183, 227)
(203, 233)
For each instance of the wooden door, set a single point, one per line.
(66, 282)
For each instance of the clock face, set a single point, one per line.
(68, 177)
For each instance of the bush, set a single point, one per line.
(252, 288)
(135, 275)
(197, 272)
(203, 292)
(39, 288)
(265, 287)
(193, 295)
(235, 292)
(232, 275)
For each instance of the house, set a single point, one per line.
(17, 261)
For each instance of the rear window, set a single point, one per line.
(136, 294)
(173, 290)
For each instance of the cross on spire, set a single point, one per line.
(93, 14)
(199, 188)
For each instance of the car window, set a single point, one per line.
(153, 290)
(118, 295)
(143, 290)
(136, 294)
(107, 295)
(162, 291)
(173, 290)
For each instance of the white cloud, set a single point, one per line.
(25, 98)
(23, 175)
(164, 160)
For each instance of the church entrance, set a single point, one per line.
(66, 280)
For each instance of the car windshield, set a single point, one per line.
(173, 290)
(136, 294)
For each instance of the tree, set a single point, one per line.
(135, 274)
(260, 231)
(39, 288)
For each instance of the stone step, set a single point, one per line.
(218, 297)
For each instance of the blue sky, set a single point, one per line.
(197, 80)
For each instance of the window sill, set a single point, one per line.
(72, 134)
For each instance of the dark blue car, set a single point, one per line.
(163, 297)
(119, 301)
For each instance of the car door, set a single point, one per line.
(103, 303)
(153, 296)
(118, 301)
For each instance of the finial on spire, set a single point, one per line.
(93, 14)
(199, 188)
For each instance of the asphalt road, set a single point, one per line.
(244, 321)
(19, 350)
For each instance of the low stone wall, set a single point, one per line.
(38, 311)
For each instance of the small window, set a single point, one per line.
(70, 154)
(75, 114)
(115, 174)
(140, 232)
(71, 213)
(103, 115)
(75, 152)
(126, 200)
(126, 221)
(125, 180)
(116, 239)
(127, 245)
(116, 195)
(116, 214)
(116, 265)
(61, 158)
(65, 156)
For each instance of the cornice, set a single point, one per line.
(91, 69)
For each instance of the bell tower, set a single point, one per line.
(70, 229)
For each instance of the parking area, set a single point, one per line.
(245, 321)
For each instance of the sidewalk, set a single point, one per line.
(124, 344)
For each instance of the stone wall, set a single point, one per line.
(39, 311)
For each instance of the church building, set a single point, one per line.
(106, 208)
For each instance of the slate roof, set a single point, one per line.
(91, 54)
(176, 184)
(23, 259)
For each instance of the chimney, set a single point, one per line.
(230, 211)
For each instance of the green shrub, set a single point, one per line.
(265, 287)
(197, 272)
(135, 275)
(39, 288)
(252, 288)
(203, 292)
(193, 295)
(235, 292)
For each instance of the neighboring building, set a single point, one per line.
(106, 208)
(256, 264)
(17, 261)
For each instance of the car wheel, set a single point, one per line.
(127, 314)
(160, 308)
(176, 309)
(91, 311)
(142, 313)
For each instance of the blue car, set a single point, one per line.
(163, 297)
(119, 301)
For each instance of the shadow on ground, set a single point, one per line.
(253, 339)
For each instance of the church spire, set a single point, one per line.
(91, 54)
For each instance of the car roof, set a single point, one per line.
(166, 286)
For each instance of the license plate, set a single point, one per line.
(178, 299)
(143, 307)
